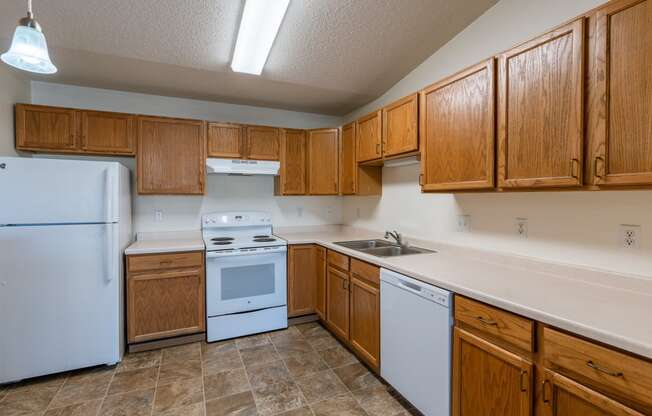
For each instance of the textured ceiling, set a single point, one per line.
(331, 56)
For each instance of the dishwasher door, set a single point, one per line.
(415, 341)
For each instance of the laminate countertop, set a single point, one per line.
(166, 242)
(605, 306)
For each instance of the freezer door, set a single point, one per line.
(60, 303)
(55, 191)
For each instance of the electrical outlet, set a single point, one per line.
(158, 215)
(463, 223)
(630, 236)
(521, 227)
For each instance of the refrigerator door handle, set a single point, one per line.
(108, 181)
(108, 259)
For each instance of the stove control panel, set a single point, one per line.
(236, 219)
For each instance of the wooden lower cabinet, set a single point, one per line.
(302, 280)
(337, 302)
(562, 396)
(165, 296)
(320, 273)
(365, 320)
(489, 380)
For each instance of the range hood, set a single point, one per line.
(242, 167)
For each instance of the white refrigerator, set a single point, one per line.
(64, 225)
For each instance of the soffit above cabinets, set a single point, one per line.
(329, 57)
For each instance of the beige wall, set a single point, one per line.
(222, 192)
(13, 88)
(569, 227)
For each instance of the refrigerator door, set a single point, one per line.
(56, 191)
(60, 302)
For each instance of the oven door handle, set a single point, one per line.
(217, 254)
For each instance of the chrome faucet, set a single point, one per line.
(395, 235)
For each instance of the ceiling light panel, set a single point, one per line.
(261, 20)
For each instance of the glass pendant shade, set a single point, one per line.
(29, 51)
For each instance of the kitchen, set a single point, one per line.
(539, 274)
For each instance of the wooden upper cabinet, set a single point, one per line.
(171, 156)
(348, 162)
(108, 133)
(46, 128)
(262, 143)
(488, 380)
(400, 126)
(457, 129)
(225, 140)
(540, 111)
(562, 396)
(302, 282)
(292, 177)
(620, 105)
(369, 137)
(323, 161)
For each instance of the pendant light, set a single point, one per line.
(29, 50)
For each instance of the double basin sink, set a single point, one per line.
(382, 248)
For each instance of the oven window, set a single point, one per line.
(247, 281)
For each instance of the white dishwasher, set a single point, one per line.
(415, 341)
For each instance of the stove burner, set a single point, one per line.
(261, 236)
(221, 243)
(264, 240)
(222, 239)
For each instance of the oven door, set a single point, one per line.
(240, 282)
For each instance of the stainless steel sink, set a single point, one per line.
(382, 248)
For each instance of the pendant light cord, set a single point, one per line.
(29, 8)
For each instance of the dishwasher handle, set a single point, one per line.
(410, 286)
(429, 292)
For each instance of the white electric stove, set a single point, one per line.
(246, 275)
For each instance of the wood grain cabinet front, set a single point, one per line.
(337, 302)
(365, 312)
(400, 133)
(457, 129)
(165, 302)
(540, 111)
(171, 156)
(323, 162)
(355, 179)
(262, 143)
(489, 380)
(302, 280)
(320, 270)
(620, 107)
(108, 133)
(369, 137)
(292, 176)
(43, 128)
(225, 140)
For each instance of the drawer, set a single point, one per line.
(504, 325)
(621, 374)
(366, 271)
(139, 263)
(338, 260)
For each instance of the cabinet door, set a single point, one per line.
(540, 111)
(293, 162)
(365, 321)
(564, 397)
(262, 143)
(348, 163)
(171, 156)
(337, 302)
(368, 135)
(320, 274)
(400, 131)
(620, 112)
(302, 280)
(165, 304)
(488, 380)
(108, 133)
(323, 155)
(457, 131)
(46, 128)
(225, 140)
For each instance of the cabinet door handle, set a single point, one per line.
(544, 391)
(378, 148)
(603, 370)
(573, 165)
(595, 166)
(421, 179)
(490, 322)
(524, 387)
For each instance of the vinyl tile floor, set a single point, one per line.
(300, 371)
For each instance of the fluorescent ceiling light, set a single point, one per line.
(261, 20)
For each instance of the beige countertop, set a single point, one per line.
(166, 242)
(608, 307)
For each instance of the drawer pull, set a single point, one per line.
(164, 262)
(490, 322)
(596, 367)
(544, 391)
